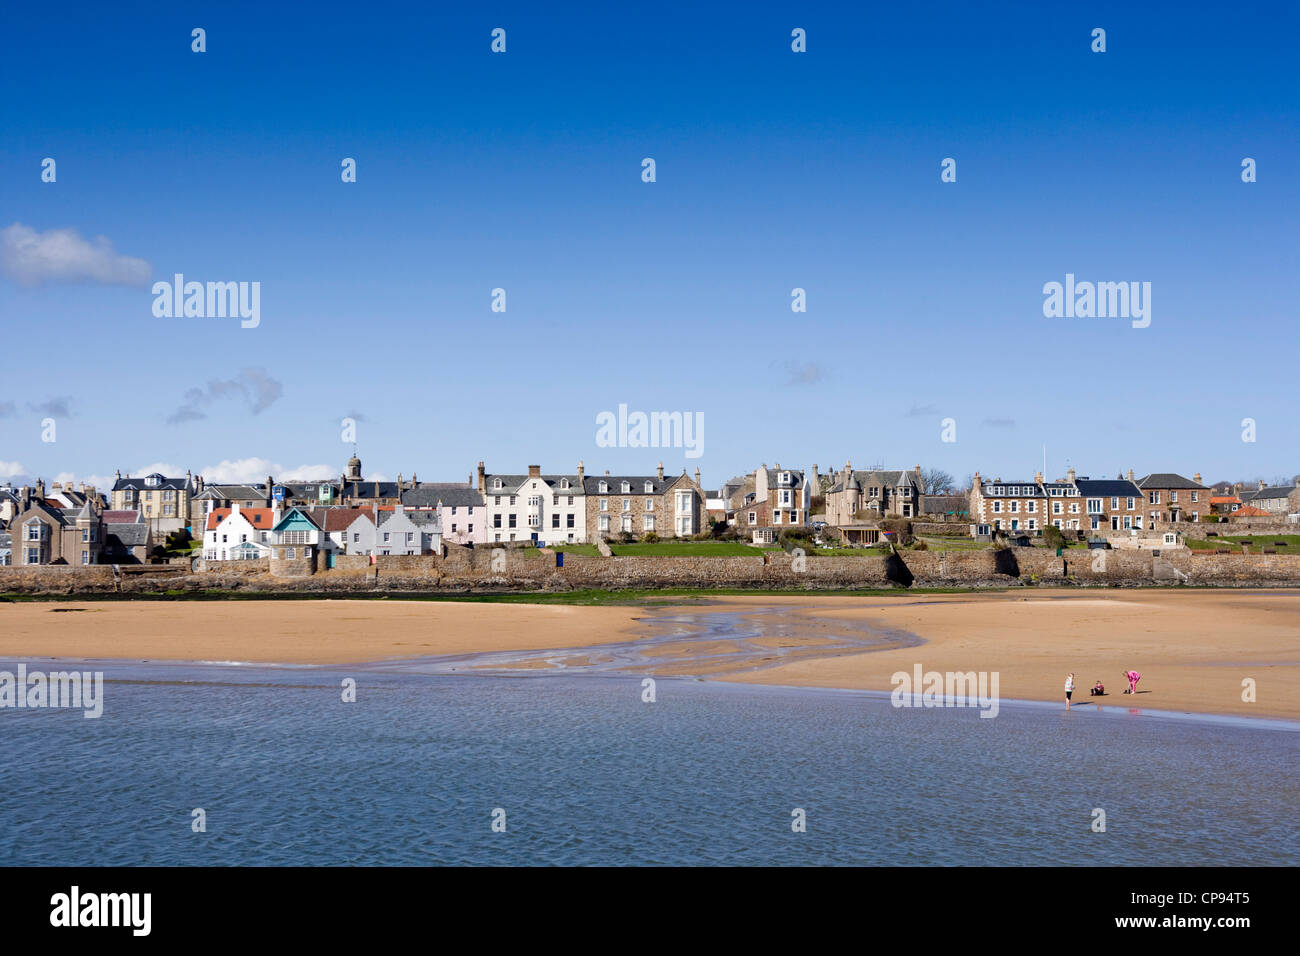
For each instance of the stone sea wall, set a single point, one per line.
(505, 570)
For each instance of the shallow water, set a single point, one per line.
(589, 774)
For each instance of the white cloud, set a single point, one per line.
(255, 470)
(62, 255)
(11, 469)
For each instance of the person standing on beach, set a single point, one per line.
(1069, 689)
(1133, 678)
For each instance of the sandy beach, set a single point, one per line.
(299, 632)
(1193, 648)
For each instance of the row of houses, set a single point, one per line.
(1079, 503)
(352, 515)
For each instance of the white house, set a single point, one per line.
(237, 533)
(543, 509)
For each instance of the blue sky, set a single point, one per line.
(775, 170)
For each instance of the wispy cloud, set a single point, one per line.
(922, 411)
(254, 385)
(1000, 422)
(11, 469)
(805, 373)
(59, 406)
(32, 258)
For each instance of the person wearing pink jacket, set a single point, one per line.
(1133, 678)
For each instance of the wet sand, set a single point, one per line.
(1193, 648)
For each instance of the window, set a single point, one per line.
(386, 534)
(1033, 524)
(292, 553)
(1155, 497)
(1074, 507)
(627, 504)
(535, 521)
(603, 522)
(1056, 510)
(649, 522)
(602, 487)
(1032, 507)
(535, 501)
(649, 487)
(33, 555)
(409, 536)
(1173, 497)
(496, 523)
(604, 504)
(85, 557)
(627, 522)
(1094, 506)
(564, 482)
(513, 523)
(627, 486)
(753, 517)
(512, 500)
(555, 519)
(496, 482)
(1015, 507)
(1130, 503)
(1196, 496)
(497, 500)
(555, 501)
(997, 507)
(569, 521)
(1114, 504)
(649, 504)
(35, 531)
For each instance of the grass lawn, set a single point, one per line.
(709, 549)
(955, 544)
(589, 550)
(1257, 541)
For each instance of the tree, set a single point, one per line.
(936, 481)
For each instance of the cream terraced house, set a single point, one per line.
(163, 503)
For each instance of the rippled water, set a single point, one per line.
(588, 774)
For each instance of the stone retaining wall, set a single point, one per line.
(482, 570)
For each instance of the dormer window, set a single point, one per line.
(564, 482)
(153, 481)
(604, 487)
(649, 487)
(496, 482)
(627, 486)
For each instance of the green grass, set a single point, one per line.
(1258, 541)
(589, 550)
(710, 549)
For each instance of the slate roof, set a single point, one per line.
(367, 489)
(451, 494)
(138, 484)
(233, 492)
(1166, 479)
(127, 535)
(1274, 491)
(1024, 489)
(510, 483)
(1108, 488)
(882, 479)
(636, 484)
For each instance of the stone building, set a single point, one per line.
(1171, 497)
(854, 495)
(645, 504)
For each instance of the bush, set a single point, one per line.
(1053, 538)
(626, 537)
(920, 546)
(649, 538)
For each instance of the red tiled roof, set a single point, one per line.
(1249, 511)
(257, 517)
(121, 517)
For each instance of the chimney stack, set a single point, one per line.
(660, 473)
(582, 471)
(482, 478)
(1038, 477)
(534, 471)
(1197, 477)
(1262, 486)
(697, 478)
